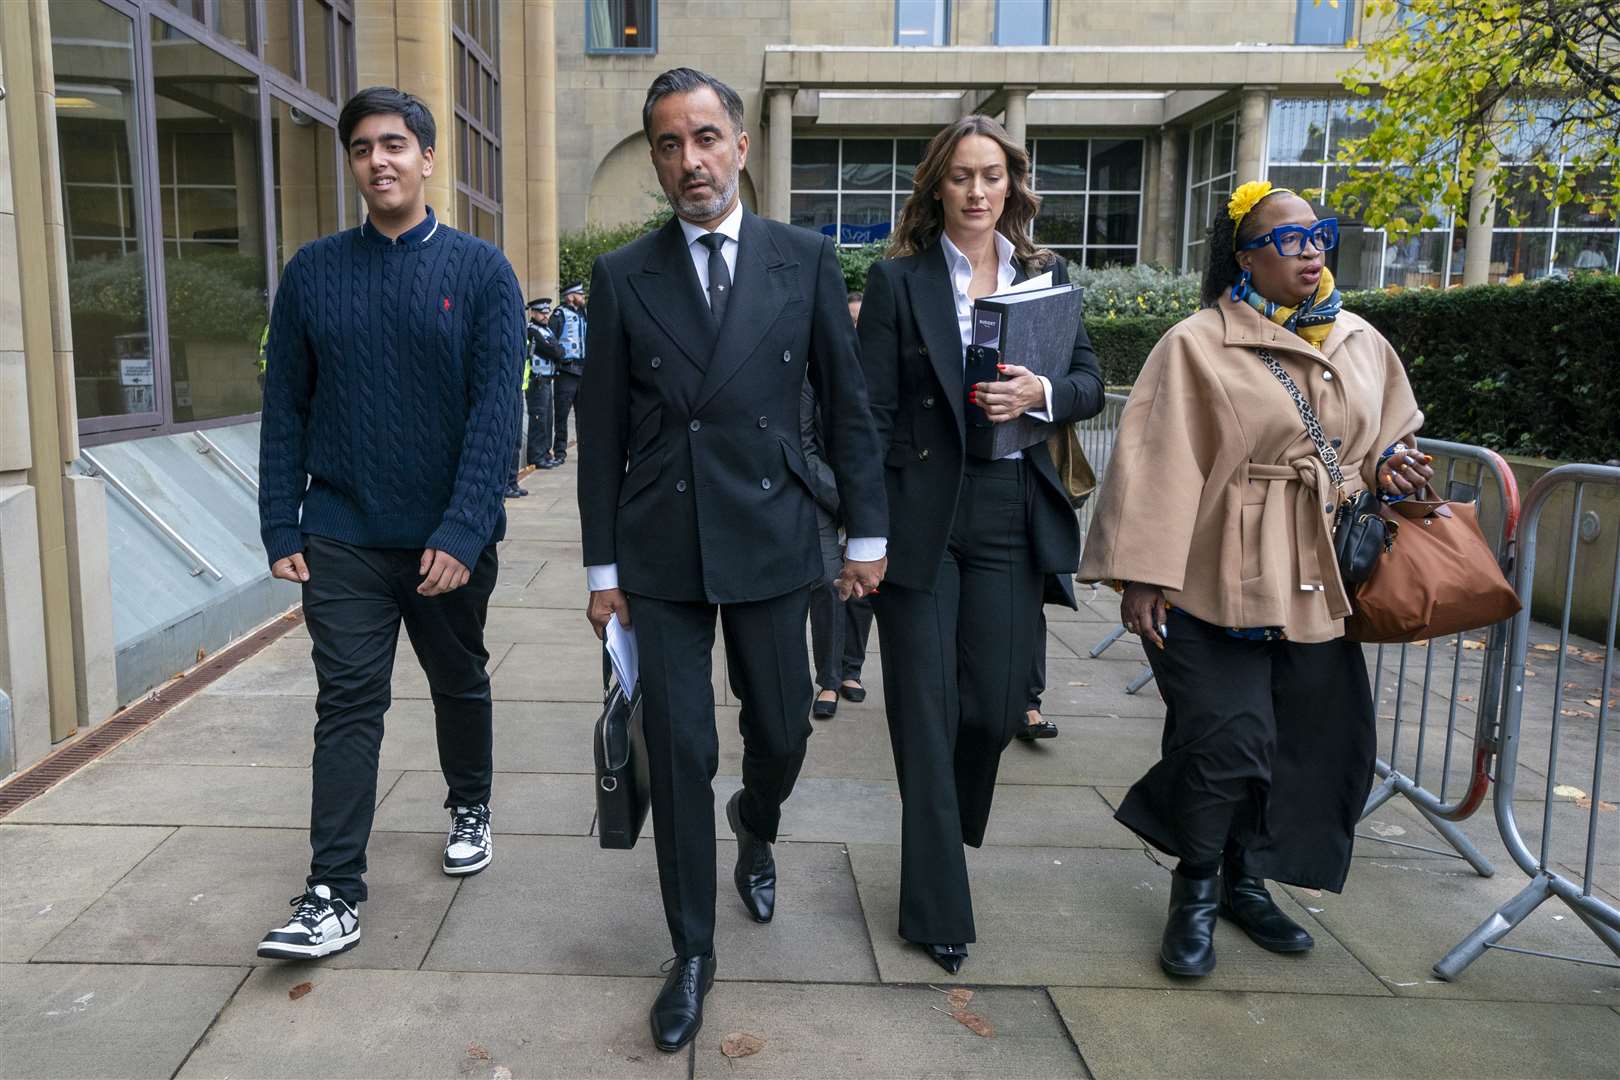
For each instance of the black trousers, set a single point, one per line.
(1267, 754)
(565, 388)
(827, 635)
(857, 629)
(955, 678)
(354, 602)
(1037, 664)
(541, 417)
(770, 674)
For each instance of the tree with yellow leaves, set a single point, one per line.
(1451, 87)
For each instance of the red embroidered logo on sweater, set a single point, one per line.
(447, 303)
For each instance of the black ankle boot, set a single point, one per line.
(1246, 902)
(1189, 932)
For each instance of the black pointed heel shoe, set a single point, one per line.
(1188, 948)
(949, 957)
(823, 709)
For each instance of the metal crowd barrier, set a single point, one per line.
(1546, 878)
(1097, 440)
(1475, 475)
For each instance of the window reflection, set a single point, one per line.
(304, 165)
(92, 49)
(213, 225)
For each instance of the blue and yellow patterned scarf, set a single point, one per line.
(1311, 320)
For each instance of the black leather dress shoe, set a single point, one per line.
(677, 1012)
(949, 957)
(1189, 933)
(1246, 902)
(755, 874)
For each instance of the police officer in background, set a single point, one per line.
(568, 324)
(544, 352)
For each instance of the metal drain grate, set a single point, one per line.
(125, 723)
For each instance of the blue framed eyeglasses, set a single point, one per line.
(1289, 240)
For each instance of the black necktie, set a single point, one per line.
(719, 276)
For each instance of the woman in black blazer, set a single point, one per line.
(970, 539)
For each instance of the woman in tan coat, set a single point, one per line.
(1216, 519)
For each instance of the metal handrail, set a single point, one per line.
(200, 565)
(211, 448)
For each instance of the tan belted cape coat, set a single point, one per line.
(1213, 490)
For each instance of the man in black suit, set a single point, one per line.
(694, 496)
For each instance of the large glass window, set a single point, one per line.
(97, 117)
(1211, 174)
(1021, 22)
(1091, 198)
(621, 26)
(477, 75)
(182, 206)
(1324, 22)
(214, 270)
(922, 22)
(1531, 238)
(851, 189)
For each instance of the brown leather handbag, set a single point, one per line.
(1438, 577)
(1073, 470)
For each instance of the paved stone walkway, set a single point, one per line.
(136, 891)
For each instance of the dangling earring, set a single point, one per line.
(1241, 289)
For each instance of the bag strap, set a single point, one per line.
(1313, 428)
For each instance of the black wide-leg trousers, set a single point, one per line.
(956, 667)
(769, 671)
(354, 602)
(1267, 754)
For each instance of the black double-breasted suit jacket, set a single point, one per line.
(911, 350)
(692, 477)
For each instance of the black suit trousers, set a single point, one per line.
(354, 602)
(769, 673)
(956, 667)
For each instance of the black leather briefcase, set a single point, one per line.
(623, 791)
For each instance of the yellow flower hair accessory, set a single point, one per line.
(1244, 198)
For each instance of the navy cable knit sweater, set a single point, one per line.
(391, 390)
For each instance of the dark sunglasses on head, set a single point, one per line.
(1289, 240)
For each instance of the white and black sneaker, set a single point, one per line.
(469, 847)
(321, 925)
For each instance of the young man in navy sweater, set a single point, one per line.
(390, 409)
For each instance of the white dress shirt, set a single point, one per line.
(961, 278)
(861, 549)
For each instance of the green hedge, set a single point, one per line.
(1528, 369)
(1524, 369)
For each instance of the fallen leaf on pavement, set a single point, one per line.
(1594, 702)
(1544, 646)
(1465, 697)
(959, 997)
(1079, 684)
(1604, 806)
(740, 1044)
(501, 1073)
(1479, 646)
(1567, 791)
(476, 1051)
(1587, 655)
(300, 990)
(973, 1022)
(1577, 712)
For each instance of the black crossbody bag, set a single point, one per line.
(1360, 534)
